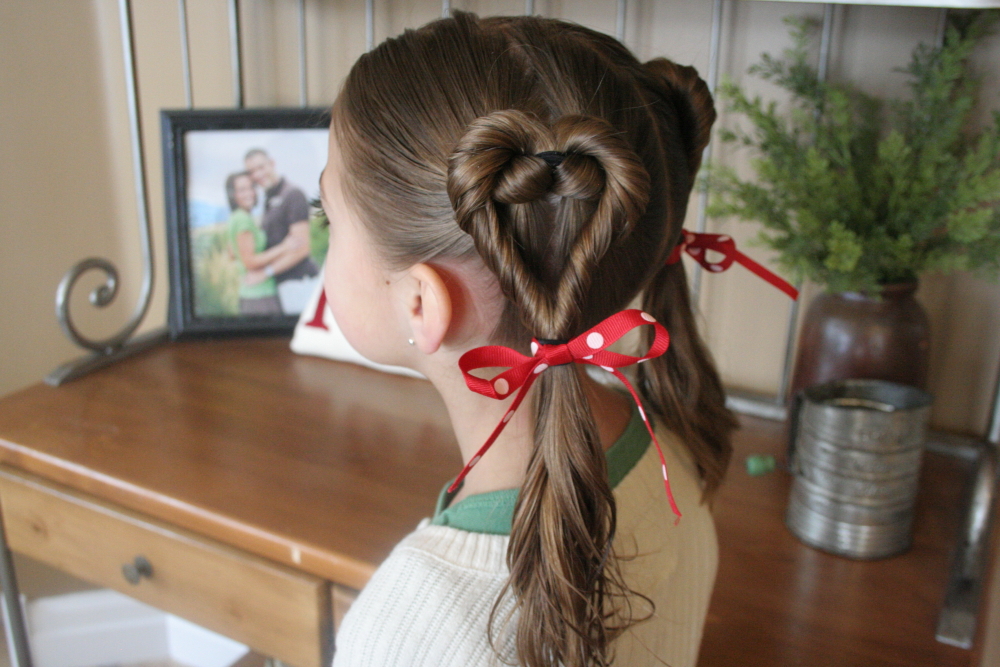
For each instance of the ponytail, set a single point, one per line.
(683, 104)
(561, 570)
(683, 386)
(563, 574)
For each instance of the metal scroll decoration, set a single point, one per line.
(104, 294)
(121, 343)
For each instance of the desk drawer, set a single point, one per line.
(272, 608)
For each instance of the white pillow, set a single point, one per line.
(317, 334)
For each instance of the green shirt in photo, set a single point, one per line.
(240, 221)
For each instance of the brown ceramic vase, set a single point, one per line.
(854, 335)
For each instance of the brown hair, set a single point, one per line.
(439, 130)
(231, 188)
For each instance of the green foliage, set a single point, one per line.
(319, 232)
(216, 272)
(319, 238)
(853, 191)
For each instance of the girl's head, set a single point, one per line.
(240, 191)
(436, 136)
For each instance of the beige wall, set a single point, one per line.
(56, 181)
(67, 193)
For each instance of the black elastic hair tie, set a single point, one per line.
(551, 341)
(554, 158)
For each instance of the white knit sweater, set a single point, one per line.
(429, 603)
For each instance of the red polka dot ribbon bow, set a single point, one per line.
(589, 347)
(698, 244)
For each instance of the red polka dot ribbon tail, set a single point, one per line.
(697, 244)
(590, 347)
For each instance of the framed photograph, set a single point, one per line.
(243, 242)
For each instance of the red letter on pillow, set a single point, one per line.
(317, 320)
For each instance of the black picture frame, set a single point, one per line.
(190, 312)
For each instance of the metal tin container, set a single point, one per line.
(855, 454)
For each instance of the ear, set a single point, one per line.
(429, 307)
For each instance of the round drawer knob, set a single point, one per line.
(137, 569)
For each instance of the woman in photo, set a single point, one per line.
(258, 291)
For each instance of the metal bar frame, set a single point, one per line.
(111, 348)
(712, 80)
(957, 620)
(236, 53)
(369, 25)
(791, 328)
(620, 20)
(182, 22)
(930, 4)
(752, 403)
(13, 617)
(303, 81)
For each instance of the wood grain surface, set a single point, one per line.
(320, 465)
(780, 602)
(325, 466)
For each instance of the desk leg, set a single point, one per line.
(17, 634)
(957, 622)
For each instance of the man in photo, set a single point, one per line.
(285, 222)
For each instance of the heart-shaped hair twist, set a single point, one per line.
(496, 160)
(496, 166)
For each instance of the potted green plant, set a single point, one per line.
(862, 195)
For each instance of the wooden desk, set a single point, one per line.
(315, 466)
(779, 602)
(309, 471)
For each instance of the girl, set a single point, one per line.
(518, 182)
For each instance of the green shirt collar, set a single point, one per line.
(493, 512)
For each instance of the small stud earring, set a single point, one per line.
(410, 341)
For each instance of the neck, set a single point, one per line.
(474, 417)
